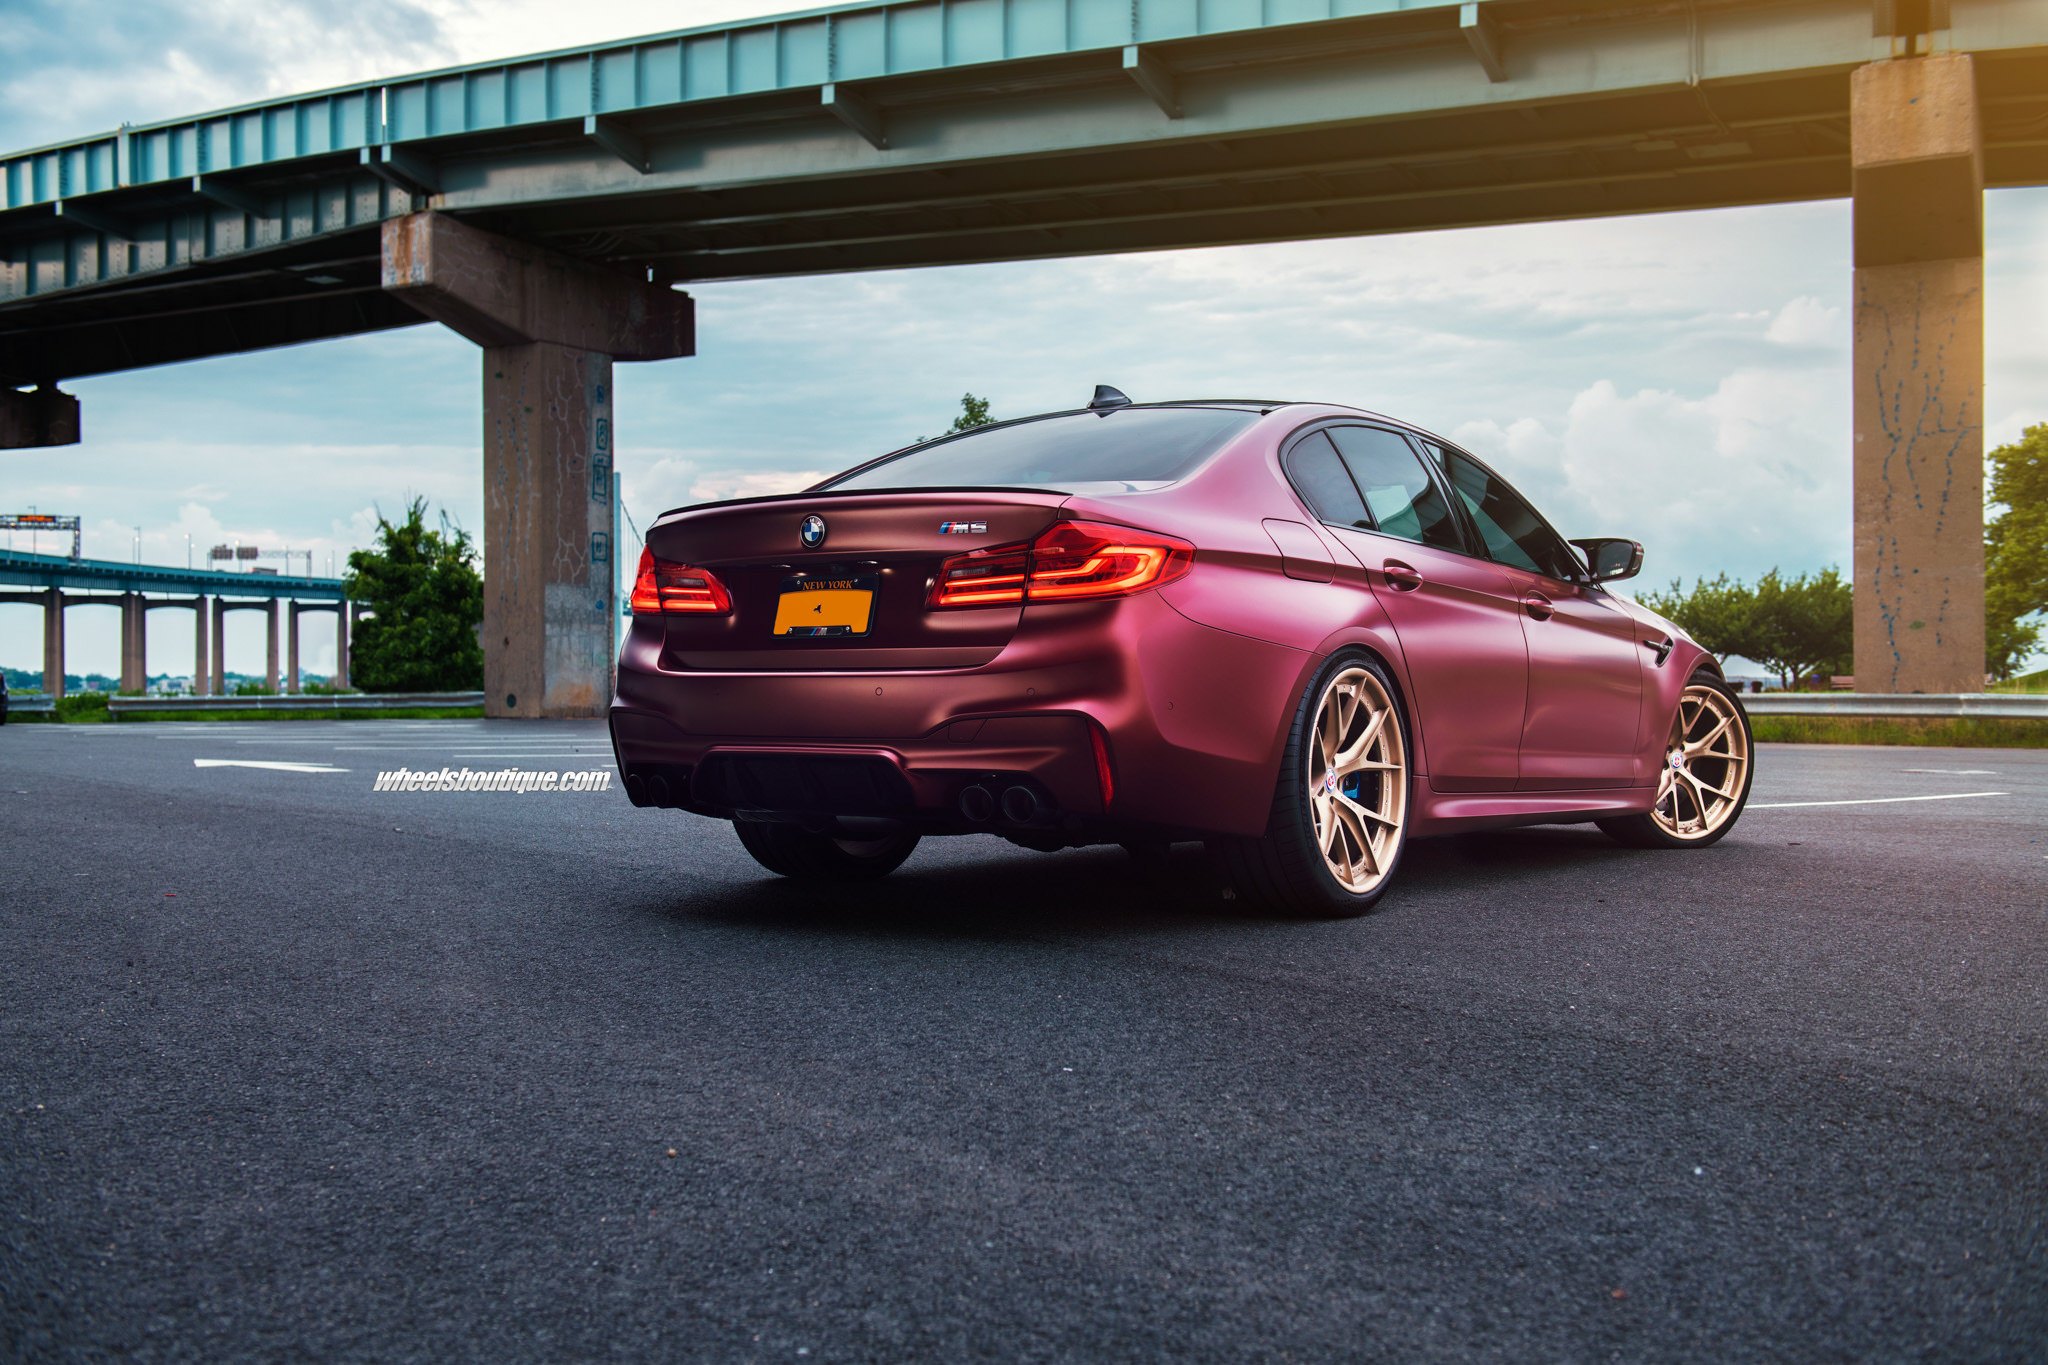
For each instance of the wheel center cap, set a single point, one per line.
(1677, 759)
(1330, 781)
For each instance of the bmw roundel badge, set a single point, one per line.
(812, 532)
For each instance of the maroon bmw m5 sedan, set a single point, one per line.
(1299, 633)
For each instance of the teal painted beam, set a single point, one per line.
(785, 52)
(18, 569)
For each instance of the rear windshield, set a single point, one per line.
(1127, 445)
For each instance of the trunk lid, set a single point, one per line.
(795, 607)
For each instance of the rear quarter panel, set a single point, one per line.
(1239, 585)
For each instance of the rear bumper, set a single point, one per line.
(1191, 718)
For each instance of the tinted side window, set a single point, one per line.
(1513, 533)
(1318, 475)
(1398, 491)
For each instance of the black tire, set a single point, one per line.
(1644, 831)
(791, 851)
(1282, 872)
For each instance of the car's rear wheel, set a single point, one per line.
(792, 851)
(1340, 808)
(1704, 781)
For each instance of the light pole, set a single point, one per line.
(138, 545)
(188, 551)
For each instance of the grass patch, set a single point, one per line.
(398, 713)
(80, 708)
(2027, 684)
(1963, 732)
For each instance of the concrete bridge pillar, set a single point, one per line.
(270, 645)
(344, 617)
(134, 643)
(291, 673)
(202, 605)
(1919, 363)
(53, 642)
(218, 676)
(550, 326)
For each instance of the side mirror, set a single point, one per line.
(1610, 558)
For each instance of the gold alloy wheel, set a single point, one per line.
(1706, 766)
(1358, 780)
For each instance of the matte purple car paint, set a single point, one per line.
(1530, 699)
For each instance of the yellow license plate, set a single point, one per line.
(824, 606)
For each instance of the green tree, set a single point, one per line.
(2016, 551)
(1803, 627)
(1796, 627)
(428, 598)
(973, 413)
(1716, 613)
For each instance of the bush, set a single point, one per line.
(1962, 732)
(82, 708)
(426, 600)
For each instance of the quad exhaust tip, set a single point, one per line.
(1022, 806)
(980, 803)
(977, 804)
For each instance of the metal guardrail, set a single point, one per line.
(2001, 705)
(352, 702)
(30, 703)
(1949, 705)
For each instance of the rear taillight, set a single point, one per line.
(663, 587)
(1070, 559)
(982, 578)
(1084, 559)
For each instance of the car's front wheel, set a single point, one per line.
(1340, 809)
(1704, 781)
(791, 851)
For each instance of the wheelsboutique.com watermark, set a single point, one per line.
(516, 780)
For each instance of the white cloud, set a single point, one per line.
(2012, 426)
(1806, 321)
(715, 484)
(183, 57)
(1750, 475)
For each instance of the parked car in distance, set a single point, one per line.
(1300, 633)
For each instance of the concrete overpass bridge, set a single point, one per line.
(549, 207)
(55, 584)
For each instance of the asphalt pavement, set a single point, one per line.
(290, 1068)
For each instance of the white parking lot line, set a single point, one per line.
(1869, 801)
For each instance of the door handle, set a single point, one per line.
(1538, 606)
(1402, 577)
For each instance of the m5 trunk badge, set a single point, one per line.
(811, 532)
(963, 528)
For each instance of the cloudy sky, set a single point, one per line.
(1682, 379)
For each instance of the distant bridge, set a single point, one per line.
(545, 207)
(54, 583)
